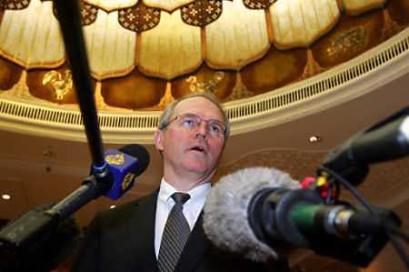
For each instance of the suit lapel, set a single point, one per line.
(144, 217)
(195, 248)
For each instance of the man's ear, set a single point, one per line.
(158, 140)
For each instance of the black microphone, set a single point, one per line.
(383, 142)
(256, 214)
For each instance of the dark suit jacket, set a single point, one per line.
(122, 240)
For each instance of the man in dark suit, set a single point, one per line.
(144, 235)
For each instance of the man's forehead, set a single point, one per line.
(196, 105)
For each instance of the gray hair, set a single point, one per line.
(169, 110)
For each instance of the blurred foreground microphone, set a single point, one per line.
(226, 213)
(257, 211)
(385, 141)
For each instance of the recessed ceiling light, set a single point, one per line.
(314, 139)
(6, 196)
(112, 206)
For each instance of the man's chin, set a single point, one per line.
(199, 168)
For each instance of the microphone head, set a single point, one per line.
(140, 153)
(226, 219)
(125, 165)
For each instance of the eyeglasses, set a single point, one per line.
(191, 121)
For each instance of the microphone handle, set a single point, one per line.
(339, 220)
(70, 22)
(300, 218)
(90, 190)
(383, 144)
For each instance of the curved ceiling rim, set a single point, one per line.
(357, 77)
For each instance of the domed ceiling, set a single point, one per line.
(143, 54)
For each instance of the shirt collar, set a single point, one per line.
(199, 191)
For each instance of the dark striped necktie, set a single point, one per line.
(174, 236)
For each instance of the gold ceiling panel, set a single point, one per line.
(300, 23)
(219, 82)
(351, 37)
(52, 85)
(170, 49)
(276, 69)
(110, 5)
(168, 5)
(357, 7)
(111, 48)
(31, 38)
(133, 92)
(9, 74)
(398, 10)
(237, 38)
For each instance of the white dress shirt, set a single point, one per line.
(191, 209)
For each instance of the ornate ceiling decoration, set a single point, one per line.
(143, 54)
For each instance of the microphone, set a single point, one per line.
(256, 211)
(33, 231)
(114, 179)
(125, 164)
(382, 142)
(225, 218)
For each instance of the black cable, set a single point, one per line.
(391, 231)
(399, 249)
(350, 188)
(399, 233)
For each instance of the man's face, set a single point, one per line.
(186, 151)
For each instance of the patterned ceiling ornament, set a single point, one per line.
(351, 40)
(111, 5)
(168, 5)
(88, 13)
(258, 4)
(200, 86)
(202, 12)
(61, 84)
(139, 18)
(14, 4)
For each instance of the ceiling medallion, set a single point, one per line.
(61, 83)
(209, 85)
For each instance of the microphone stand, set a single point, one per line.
(31, 242)
(70, 21)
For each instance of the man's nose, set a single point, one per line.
(202, 128)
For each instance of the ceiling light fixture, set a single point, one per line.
(6, 196)
(314, 139)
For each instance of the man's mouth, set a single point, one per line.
(198, 149)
